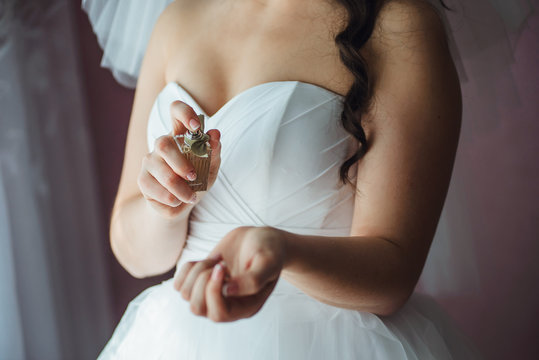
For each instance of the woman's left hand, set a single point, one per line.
(237, 277)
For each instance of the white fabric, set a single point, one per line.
(268, 176)
(54, 300)
(123, 29)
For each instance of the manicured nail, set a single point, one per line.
(230, 289)
(217, 271)
(193, 198)
(192, 175)
(195, 124)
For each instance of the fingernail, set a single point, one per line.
(230, 289)
(217, 270)
(192, 175)
(193, 198)
(195, 124)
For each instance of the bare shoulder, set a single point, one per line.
(178, 9)
(408, 54)
(178, 19)
(408, 30)
(409, 17)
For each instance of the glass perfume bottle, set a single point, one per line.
(196, 148)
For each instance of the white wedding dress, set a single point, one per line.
(282, 146)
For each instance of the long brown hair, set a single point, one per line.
(362, 16)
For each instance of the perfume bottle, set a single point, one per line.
(196, 148)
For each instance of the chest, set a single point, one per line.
(215, 53)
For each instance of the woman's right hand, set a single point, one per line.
(164, 171)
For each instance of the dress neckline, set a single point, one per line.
(248, 90)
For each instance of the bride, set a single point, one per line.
(333, 127)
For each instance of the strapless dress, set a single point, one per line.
(282, 146)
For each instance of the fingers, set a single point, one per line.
(216, 307)
(198, 293)
(215, 137)
(166, 148)
(246, 306)
(263, 269)
(152, 190)
(201, 283)
(180, 276)
(162, 179)
(167, 179)
(206, 298)
(189, 273)
(183, 117)
(215, 144)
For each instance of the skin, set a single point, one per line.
(413, 127)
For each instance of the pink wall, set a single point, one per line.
(497, 170)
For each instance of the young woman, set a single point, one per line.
(333, 127)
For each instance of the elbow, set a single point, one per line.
(143, 273)
(120, 256)
(130, 266)
(386, 304)
(394, 300)
(401, 285)
(397, 291)
(134, 273)
(393, 305)
(138, 256)
(141, 266)
(117, 245)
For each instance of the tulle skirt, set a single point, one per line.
(158, 324)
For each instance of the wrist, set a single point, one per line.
(285, 240)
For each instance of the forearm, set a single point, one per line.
(144, 242)
(363, 273)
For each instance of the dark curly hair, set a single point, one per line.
(362, 16)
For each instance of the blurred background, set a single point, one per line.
(63, 124)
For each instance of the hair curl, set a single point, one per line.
(362, 15)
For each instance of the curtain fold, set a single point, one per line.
(54, 300)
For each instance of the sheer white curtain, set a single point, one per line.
(54, 297)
